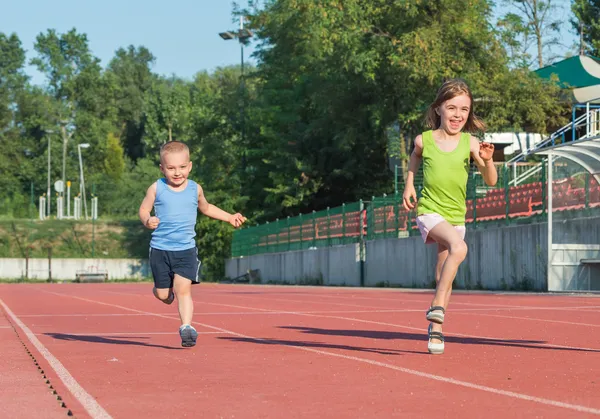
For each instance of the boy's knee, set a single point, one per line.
(459, 249)
(161, 293)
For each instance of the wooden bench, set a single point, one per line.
(252, 276)
(85, 276)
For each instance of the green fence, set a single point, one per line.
(385, 217)
(333, 226)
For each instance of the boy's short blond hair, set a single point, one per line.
(173, 147)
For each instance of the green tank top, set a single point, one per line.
(445, 176)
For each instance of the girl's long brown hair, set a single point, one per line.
(450, 89)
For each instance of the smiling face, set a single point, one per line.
(176, 167)
(452, 109)
(454, 113)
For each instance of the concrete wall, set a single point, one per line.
(65, 269)
(337, 265)
(510, 257)
(574, 240)
(498, 258)
(566, 271)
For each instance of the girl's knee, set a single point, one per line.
(459, 249)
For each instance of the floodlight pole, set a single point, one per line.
(242, 35)
(82, 181)
(549, 197)
(49, 190)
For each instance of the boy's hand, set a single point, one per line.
(237, 220)
(486, 151)
(408, 197)
(152, 222)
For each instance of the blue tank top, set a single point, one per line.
(177, 213)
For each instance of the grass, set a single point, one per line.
(44, 281)
(73, 239)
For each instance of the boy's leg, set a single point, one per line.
(183, 290)
(185, 268)
(161, 272)
(165, 295)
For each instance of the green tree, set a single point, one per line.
(166, 112)
(532, 24)
(114, 162)
(79, 101)
(131, 75)
(586, 22)
(17, 150)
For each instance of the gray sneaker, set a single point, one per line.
(188, 336)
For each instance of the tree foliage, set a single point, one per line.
(339, 88)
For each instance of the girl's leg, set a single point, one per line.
(441, 259)
(456, 251)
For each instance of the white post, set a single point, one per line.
(68, 199)
(42, 207)
(77, 208)
(95, 208)
(587, 118)
(59, 208)
(549, 207)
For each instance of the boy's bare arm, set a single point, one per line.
(217, 213)
(146, 208)
(482, 154)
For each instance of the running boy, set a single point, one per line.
(173, 254)
(446, 151)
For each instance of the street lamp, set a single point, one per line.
(81, 178)
(48, 132)
(243, 36)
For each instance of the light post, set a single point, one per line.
(243, 36)
(49, 191)
(81, 178)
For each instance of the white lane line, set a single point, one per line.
(81, 315)
(533, 319)
(419, 329)
(549, 402)
(129, 334)
(87, 401)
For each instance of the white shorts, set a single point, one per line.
(426, 222)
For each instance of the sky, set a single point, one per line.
(181, 34)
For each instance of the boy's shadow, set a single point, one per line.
(106, 340)
(376, 334)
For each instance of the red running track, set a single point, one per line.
(112, 350)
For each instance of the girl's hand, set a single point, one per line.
(409, 197)
(486, 151)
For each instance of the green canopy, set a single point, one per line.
(580, 73)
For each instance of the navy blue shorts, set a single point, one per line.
(165, 264)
